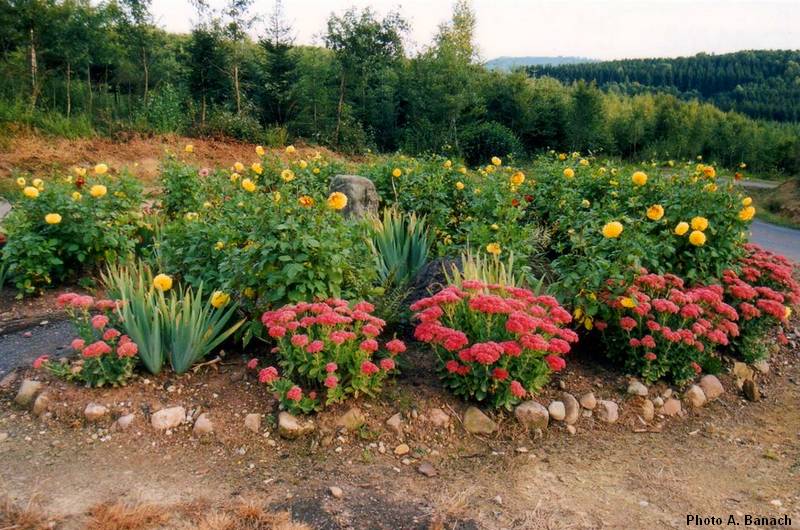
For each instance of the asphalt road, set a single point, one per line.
(778, 239)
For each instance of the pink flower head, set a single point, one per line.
(511, 348)
(370, 331)
(365, 307)
(65, 299)
(331, 367)
(556, 363)
(331, 381)
(276, 332)
(99, 321)
(252, 364)
(295, 393)
(268, 375)
(82, 302)
(387, 364)
(315, 347)
(96, 349)
(111, 334)
(396, 346)
(368, 368)
(500, 374)
(40, 361)
(627, 323)
(105, 305)
(518, 390)
(452, 366)
(299, 340)
(369, 345)
(78, 344)
(650, 356)
(128, 349)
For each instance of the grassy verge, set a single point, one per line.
(781, 205)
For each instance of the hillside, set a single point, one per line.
(759, 83)
(510, 63)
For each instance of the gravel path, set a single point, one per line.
(17, 349)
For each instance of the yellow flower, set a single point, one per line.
(495, 226)
(260, 150)
(496, 161)
(97, 191)
(588, 323)
(219, 245)
(699, 223)
(462, 170)
(585, 203)
(315, 171)
(207, 204)
(337, 200)
(578, 313)
(747, 213)
(681, 228)
(290, 149)
(742, 165)
(306, 201)
(162, 282)
(101, 169)
(219, 299)
(709, 171)
(562, 156)
(76, 196)
(256, 168)
(249, 292)
(655, 212)
(21, 182)
(517, 178)
(711, 187)
(639, 178)
(248, 185)
(303, 164)
(448, 164)
(459, 185)
(191, 216)
(787, 312)
(627, 301)
(276, 197)
(493, 248)
(52, 218)
(477, 191)
(490, 168)
(612, 229)
(396, 172)
(697, 238)
(584, 162)
(671, 163)
(287, 175)
(747, 201)
(39, 184)
(238, 167)
(189, 148)
(79, 171)
(234, 177)
(569, 172)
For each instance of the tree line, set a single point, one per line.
(76, 67)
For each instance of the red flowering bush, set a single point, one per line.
(107, 357)
(494, 343)
(327, 351)
(661, 329)
(763, 292)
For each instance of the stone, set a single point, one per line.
(168, 418)
(402, 449)
(671, 407)
(8, 380)
(711, 387)
(572, 409)
(637, 388)
(203, 425)
(252, 422)
(95, 412)
(438, 418)
(476, 422)
(125, 421)
(647, 410)
(532, 415)
(695, 396)
(336, 492)
(742, 372)
(292, 428)
(27, 392)
(607, 411)
(3, 437)
(395, 423)
(761, 366)
(362, 197)
(41, 404)
(571, 429)
(557, 410)
(658, 402)
(427, 469)
(751, 390)
(588, 401)
(351, 420)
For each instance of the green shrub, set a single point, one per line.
(180, 188)
(483, 141)
(401, 246)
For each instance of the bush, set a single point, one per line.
(61, 228)
(107, 356)
(483, 141)
(400, 243)
(180, 184)
(226, 124)
(494, 343)
(327, 349)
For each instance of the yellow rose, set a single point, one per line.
(681, 228)
(303, 164)
(189, 148)
(219, 245)
(219, 299)
(562, 156)
(260, 150)
(21, 182)
(207, 204)
(448, 164)
(290, 150)
(191, 216)
(39, 184)
(627, 301)
(518, 178)
(52, 218)
(787, 312)
(397, 172)
(162, 282)
(30, 192)
(493, 248)
(747, 213)
(697, 238)
(315, 171)
(585, 203)
(747, 201)
(256, 168)
(709, 172)
(462, 170)
(612, 230)
(100, 169)
(699, 223)
(337, 200)
(276, 197)
(477, 191)
(97, 191)
(495, 226)
(238, 167)
(584, 162)
(569, 172)
(639, 178)
(248, 185)
(76, 196)
(459, 185)
(655, 212)
(79, 171)
(306, 201)
(496, 161)
(234, 177)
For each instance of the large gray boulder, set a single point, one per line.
(362, 198)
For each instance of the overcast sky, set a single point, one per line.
(602, 29)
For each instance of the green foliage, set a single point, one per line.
(483, 141)
(180, 184)
(490, 270)
(400, 243)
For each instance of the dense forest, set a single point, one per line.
(758, 83)
(75, 67)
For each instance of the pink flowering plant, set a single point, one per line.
(107, 357)
(659, 328)
(494, 343)
(763, 292)
(328, 351)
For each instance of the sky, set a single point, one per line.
(599, 29)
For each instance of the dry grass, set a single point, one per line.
(122, 516)
(28, 517)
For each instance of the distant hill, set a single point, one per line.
(509, 63)
(759, 83)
